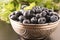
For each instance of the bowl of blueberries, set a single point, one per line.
(37, 23)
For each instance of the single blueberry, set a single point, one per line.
(34, 20)
(53, 18)
(26, 21)
(21, 18)
(42, 20)
(14, 17)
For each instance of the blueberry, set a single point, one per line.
(47, 18)
(26, 21)
(28, 14)
(23, 6)
(42, 20)
(33, 10)
(21, 18)
(47, 11)
(44, 13)
(18, 13)
(32, 15)
(50, 13)
(56, 15)
(14, 17)
(53, 18)
(22, 11)
(34, 20)
(38, 10)
(38, 15)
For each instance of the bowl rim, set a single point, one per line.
(51, 23)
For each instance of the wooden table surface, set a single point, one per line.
(7, 33)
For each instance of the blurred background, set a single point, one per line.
(8, 6)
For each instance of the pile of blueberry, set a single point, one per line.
(37, 15)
